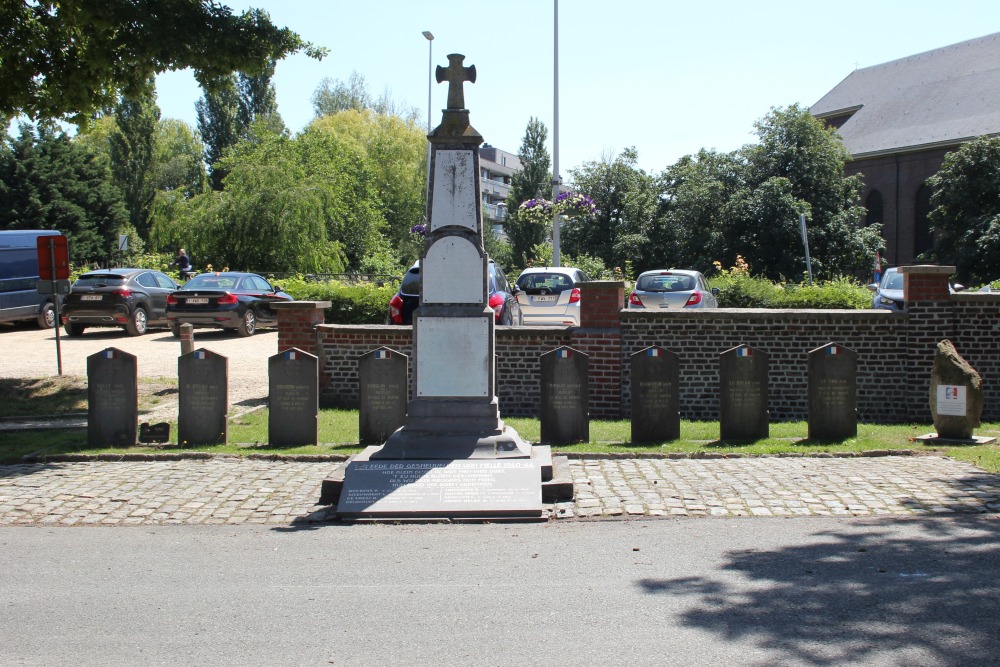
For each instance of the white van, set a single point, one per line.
(19, 297)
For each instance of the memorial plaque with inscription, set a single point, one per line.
(743, 394)
(382, 375)
(458, 488)
(656, 413)
(293, 399)
(112, 399)
(565, 397)
(833, 393)
(203, 397)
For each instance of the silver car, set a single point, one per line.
(550, 295)
(673, 288)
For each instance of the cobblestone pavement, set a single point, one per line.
(232, 491)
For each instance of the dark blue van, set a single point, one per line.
(19, 297)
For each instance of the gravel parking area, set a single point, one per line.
(31, 353)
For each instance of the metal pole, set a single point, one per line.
(55, 302)
(805, 243)
(556, 180)
(430, 62)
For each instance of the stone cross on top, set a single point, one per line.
(455, 74)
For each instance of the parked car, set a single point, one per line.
(888, 292)
(19, 296)
(133, 299)
(228, 300)
(550, 295)
(672, 288)
(502, 297)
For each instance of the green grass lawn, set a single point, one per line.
(338, 431)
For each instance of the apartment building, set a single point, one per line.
(496, 169)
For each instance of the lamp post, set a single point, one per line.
(430, 61)
(556, 180)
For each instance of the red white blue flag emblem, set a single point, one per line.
(654, 352)
(564, 353)
(290, 355)
(744, 352)
(108, 353)
(381, 354)
(200, 355)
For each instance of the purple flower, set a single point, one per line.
(418, 229)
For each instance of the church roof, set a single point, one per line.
(937, 98)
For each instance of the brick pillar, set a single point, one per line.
(600, 337)
(930, 319)
(297, 322)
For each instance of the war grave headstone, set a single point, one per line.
(382, 380)
(656, 415)
(112, 399)
(956, 398)
(564, 409)
(203, 398)
(453, 456)
(833, 393)
(293, 398)
(743, 394)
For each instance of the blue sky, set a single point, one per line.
(668, 78)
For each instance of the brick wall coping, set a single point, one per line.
(603, 283)
(757, 314)
(302, 305)
(927, 269)
(976, 297)
(520, 332)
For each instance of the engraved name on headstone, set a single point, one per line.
(112, 399)
(203, 397)
(833, 391)
(383, 394)
(293, 398)
(743, 394)
(565, 397)
(656, 413)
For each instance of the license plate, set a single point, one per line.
(198, 300)
(91, 297)
(538, 299)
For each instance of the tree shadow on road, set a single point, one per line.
(857, 595)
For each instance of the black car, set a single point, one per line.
(134, 299)
(228, 300)
(502, 298)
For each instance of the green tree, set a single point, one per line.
(178, 164)
(218, 123)
(69, 59)
(333, 96)
(258, 102)
(965, 218)
(626, 199)
(48, 181)
(133, 154)
(533, 181)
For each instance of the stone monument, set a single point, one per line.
(293, 398)
(656, 415)
(743, 394)
(453, 456)
(956, 396)
(112, 399)
(833, 393)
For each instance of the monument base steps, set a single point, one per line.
(934, 438)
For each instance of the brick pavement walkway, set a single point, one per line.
(233, 491)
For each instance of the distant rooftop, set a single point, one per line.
(937, 98)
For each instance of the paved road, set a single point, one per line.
(234, 491)
(756, 592)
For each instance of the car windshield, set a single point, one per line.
(893, 281)
(411, 282)
(665, 283)
(99, 280)
(211, 281)
(555, 282)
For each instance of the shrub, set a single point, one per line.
(738, 289)
(364, 303)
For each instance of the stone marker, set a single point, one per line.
(956, 394)
(743, 394)
(656, 413)
(382, 379)
(203, 397)
(112, 399)
(293, 399)
(565, 397)
(833, 393)
(154, 433)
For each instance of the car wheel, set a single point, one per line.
(74, 330)
(138, 323)
(47, 318)
(175, 329)
(248, 325)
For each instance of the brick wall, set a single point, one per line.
(895, 352)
